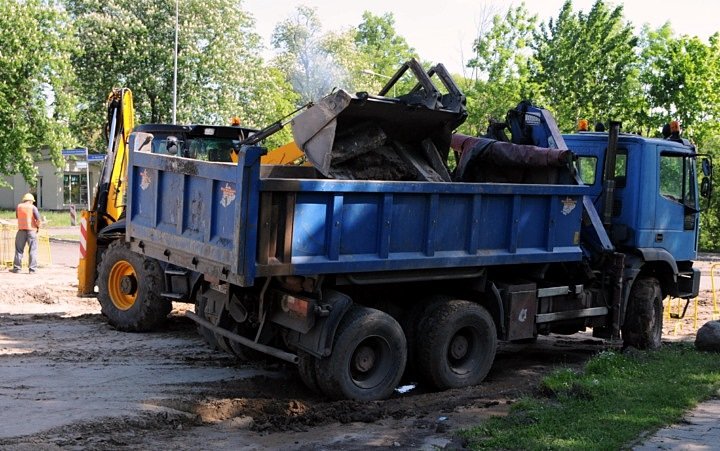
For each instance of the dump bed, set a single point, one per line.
(229, 223)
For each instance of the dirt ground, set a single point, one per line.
(69, 381)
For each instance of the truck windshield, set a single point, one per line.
(677, 178)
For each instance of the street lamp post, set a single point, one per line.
(177, 15)
(369, 72)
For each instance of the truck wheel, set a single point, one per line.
(242, 352)
(205, 333)
(306, 368)
(368, 357)
(129, 290)
(410, 322)
(456, 345)
(642, 328)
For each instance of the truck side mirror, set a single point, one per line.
(706, 167)
(705, 186)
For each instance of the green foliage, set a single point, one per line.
(501, 75)
(35, 78)
(307, 56)
(681, 75)
(50, 218)
(608, 404)
(219, 72)
(588, 66)
(383, 51)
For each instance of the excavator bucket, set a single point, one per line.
(363, 136)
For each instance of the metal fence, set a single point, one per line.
(7, 247)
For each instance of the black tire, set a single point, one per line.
(368, 357)
(308, 374)
(205, 333)
(410, 322)
(242, 352)
(456, 345)
(129, 290)
(642, 328)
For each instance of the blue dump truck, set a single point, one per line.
(377, 262)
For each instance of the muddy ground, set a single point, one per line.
(69, 381)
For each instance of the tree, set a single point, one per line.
(681, 76)
(383, 49)
(219, 71)
(306, 56)
(500, 68)
(588, 66)
(35, 78)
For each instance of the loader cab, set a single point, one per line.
(199, 142)
(656, 200)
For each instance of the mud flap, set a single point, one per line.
(319, 340)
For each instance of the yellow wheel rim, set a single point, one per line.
(122, 285)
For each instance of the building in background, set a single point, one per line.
(56, 188)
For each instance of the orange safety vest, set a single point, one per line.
(25, 217)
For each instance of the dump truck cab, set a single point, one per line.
(655, 211)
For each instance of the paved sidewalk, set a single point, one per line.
(699, 430)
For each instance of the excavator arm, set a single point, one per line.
(109, 200)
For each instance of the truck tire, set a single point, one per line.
(308, 374)
(129, 290)
(205, 333)
(368, 357)
(410, 321)
(456, 345)
(642, 328)
(242, 352)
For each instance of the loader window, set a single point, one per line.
(212, 149)
(160, 145)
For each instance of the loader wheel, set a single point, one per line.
(368, 357)
(129, 290)
(456, 345)
(642, 328)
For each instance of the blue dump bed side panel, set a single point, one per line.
(195, 213)
(222, 220)
(344, 227)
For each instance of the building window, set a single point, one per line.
(75, 188)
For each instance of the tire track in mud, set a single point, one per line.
(71, 380)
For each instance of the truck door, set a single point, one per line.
(676, 212)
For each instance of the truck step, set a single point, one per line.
(176, 272)
(172, 295)
(570, 314)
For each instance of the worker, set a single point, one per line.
(28, 218)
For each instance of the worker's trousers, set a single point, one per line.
(30, 237)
